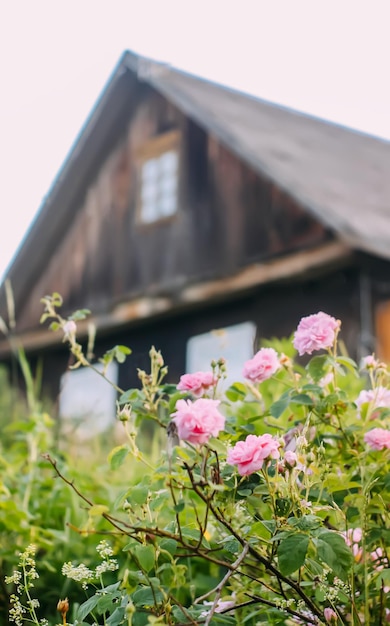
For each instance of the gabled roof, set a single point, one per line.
(341, 176)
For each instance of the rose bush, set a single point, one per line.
(197, 383)
(270, 503)
(197, 421)
(249, 455)
(263, 365)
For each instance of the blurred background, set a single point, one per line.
(327, 58)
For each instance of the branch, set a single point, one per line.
(218, 589)
(259, 557)
(234, 567)
(300, 616)
(133, 531)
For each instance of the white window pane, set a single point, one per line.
(168, 161)
(159, 187)
(150, 211)
(167, 185)
(149, 192)
(167, 205)
(233, 343)
(150, 170)
(87, 401)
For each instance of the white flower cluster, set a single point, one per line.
(106, 566)
(333, 592)
(82, 574)
(14, 579)
(16, 611)
(23, 582)
(104, 549)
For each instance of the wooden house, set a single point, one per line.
(186, 207)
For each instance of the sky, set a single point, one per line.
(329, 58)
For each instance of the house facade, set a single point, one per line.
(197, 218)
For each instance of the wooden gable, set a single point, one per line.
(228, 218)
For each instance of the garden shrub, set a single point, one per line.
(268, 504)
(34, 506)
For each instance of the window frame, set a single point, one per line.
(221, 342)
(155, 148)
(87, 403)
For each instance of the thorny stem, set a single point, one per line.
(223, 582)
(234, 568)
(173, 496)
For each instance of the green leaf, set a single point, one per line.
(129, 396)
(147, 596)
(316, 389)
(56, 299)
(270, 525)
(179, 507)
(292, 552)
(98, 509)
(169, 545)
(277, 408)
(121, 352)
(302, 398)
(332, 550)
(107, 599)
(44, 317)
(81, 314)
(145, 556)
(117, 456)
(26, 427)
(85, 608)
(349, 364)
(232, 546)
(138, 494)
(317, 367)
(117, 617)
(383, 579)
(236, 392)
(306, 522)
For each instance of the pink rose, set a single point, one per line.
(353, 537)
(249, 455)
(263, 365)
(368, 362)
(330, 615)
(315, 332)
(198, 421)
(378, 398)
(290, 458)
(197, 383)
(378, 438)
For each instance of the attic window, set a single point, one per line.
(159, 178)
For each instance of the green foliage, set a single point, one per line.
(34, 507)
(301, 537)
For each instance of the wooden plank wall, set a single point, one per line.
(229, 217)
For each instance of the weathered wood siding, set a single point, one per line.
(275, 310)
(228, 217)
